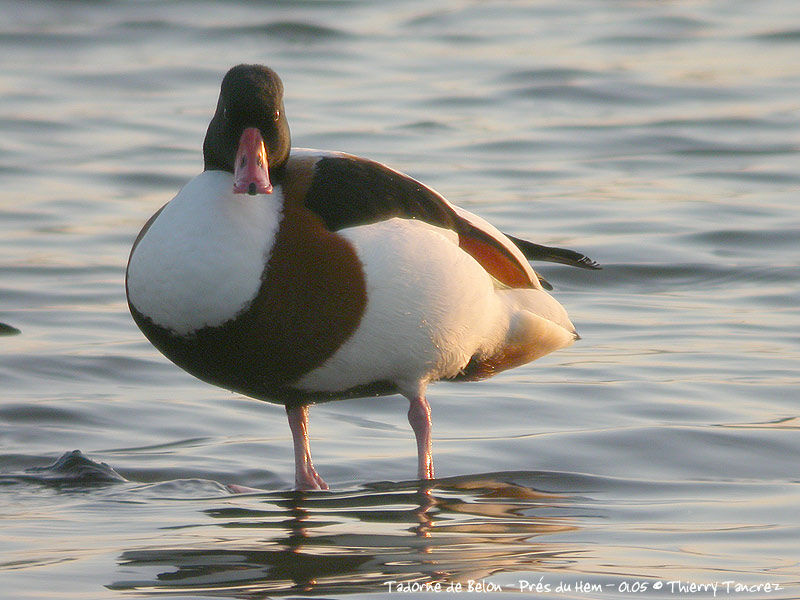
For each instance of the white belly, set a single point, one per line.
(430, 307)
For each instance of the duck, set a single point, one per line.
(298, 276)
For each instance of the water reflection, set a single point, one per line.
(451, 530)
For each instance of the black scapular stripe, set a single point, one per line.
(350, 191)
(347, 191)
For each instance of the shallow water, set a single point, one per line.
(659, 138)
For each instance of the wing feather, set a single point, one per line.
(347, 191)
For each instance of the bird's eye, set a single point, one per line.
(277, 115)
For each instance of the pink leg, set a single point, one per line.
(419, 416)
(305, 476)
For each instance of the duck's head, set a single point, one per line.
(248, 135)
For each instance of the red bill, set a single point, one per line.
(251, 169)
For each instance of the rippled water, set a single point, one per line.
(661, 138)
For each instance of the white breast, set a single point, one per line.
(200, 262)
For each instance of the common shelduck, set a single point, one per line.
(298, 276)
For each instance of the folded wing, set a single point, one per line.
(346, 191)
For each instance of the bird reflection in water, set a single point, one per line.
(448, 530)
